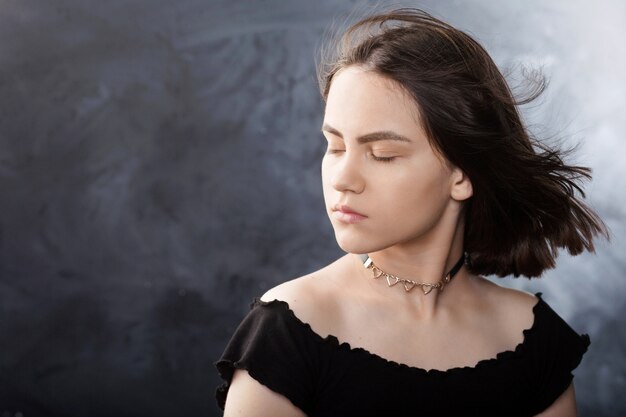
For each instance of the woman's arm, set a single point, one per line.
(564, 406)
(247, 397)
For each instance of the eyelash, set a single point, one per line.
(376, 158)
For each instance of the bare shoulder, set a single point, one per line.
(296, 292)
(510, 298)
(514, 308)
(308, 297)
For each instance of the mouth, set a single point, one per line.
(346, 214)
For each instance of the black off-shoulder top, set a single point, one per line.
(324, 377)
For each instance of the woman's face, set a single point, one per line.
(404, 198)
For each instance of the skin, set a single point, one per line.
(414, 228)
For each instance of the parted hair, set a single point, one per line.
(524, 205)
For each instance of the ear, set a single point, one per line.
(461, 185)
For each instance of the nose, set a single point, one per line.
(347, 175)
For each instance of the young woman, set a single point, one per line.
(430, 181)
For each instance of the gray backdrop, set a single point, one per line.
(159, 167)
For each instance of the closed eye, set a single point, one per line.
(383, 158)
(374, 157)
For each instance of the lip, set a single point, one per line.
(347, 209)
(346, 214)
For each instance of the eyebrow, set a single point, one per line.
(370, 137)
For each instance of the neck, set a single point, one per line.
(424, 262)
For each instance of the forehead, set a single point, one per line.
(360, 100)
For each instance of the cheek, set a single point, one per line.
(325, 175)
(324, 172)
(418, 189)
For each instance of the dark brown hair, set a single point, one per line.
(523, 206)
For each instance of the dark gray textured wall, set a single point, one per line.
(159, 166)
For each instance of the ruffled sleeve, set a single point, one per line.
(556, 350)
(275, 351)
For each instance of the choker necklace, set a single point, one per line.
(409, 284)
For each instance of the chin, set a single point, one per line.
(356, 245)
